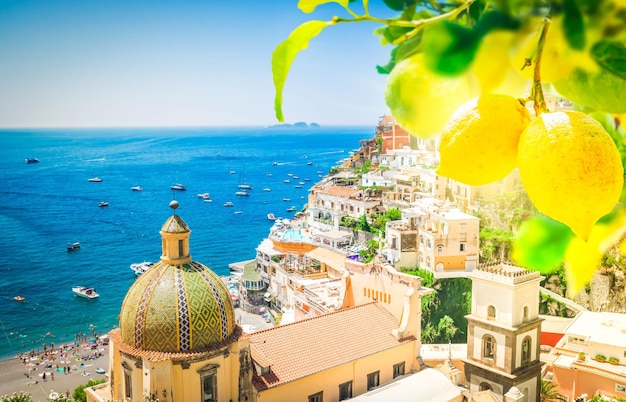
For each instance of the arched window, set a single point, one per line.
(489, 347)
(440, 248)
(525, 314)
(491, 313)
(526, 345)
(484, 386)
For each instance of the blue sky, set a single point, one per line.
(115, 63)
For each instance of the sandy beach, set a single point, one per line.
(82, 361)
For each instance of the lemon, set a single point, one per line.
(479, 144)
(570, 168)
(492, 66)
(599, 90)
(421, 101)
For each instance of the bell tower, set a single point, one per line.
(504, 332)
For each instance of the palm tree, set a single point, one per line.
(549, 392)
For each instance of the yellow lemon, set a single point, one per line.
(492, 66)
(570, 168)
(422, 101)
(479, 144)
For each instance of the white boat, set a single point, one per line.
(228, 204)
(298, 186)
(267, 189)
(208, 200)
(136, 188)
(238, 212)
(204, 195)
(95, 180)
(103, 204)
(73, 246)
(271, 217)
(178, 187)
(286, 199)
(140, 267)
(84, 291)
(291, 209)
(286, 181)
(232, 172)
(31, 160)
(242, 193)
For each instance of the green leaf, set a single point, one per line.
(449, 48)
(286, 52)
(573, 25)
(308, 6)
(386, 69)
(541, 243)
(611, 55)
(399, 5)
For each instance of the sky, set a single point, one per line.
(157, 63)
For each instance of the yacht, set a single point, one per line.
(204, 195)
(95, 180)
(228, 204)
(291, 209)
(267, 189)
(242, 193)
(31, 160)
(84, 291)
(178, 187)
(140, 267)
(136, 188)
(73, 246)
(103, 204)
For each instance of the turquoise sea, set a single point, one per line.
(45, 205)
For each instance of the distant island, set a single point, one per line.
(299, 124)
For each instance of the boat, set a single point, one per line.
(242, 193)
(208, 200)
(73, 246)
(228, 204)
(238, 212)
(31, 160)
(307, 179)
(291, 209)
(232, 172)
(140, 267)
(310, 163)
(267, 189)
(298, 186)
(86, 292)
(19, 298)
(290, 174)
(204, 195)
(275, 164)
(103, 204)
(269, 175)
(295, 177)
(136, 188)
(271, 217)
(286, 199)
(95, 180)
(286, 181)
(178, 187)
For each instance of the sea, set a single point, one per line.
(46, 205)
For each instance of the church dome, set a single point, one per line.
(178, 305)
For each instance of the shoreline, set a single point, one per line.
(14, 371)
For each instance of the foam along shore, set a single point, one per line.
(64, 367)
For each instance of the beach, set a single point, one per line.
(82, 361)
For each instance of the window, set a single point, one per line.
(489, 347)
(440, 249)
(180, 248)
(345, 390)
(128, 385)
(462, 247)
(491, 313)
(319, 397)
(484, 386)
(373, 380)
(525, 314)
(526, 350)
(398, 369)
(209, 388)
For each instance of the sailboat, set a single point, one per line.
(243, 184)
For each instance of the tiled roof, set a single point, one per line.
(339, 191)
(295, 350)
(155, 356)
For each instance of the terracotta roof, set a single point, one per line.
(293, 351)
(339, 191)
(154, 356)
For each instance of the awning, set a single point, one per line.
(331, 258)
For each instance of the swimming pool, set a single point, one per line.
(293, 235)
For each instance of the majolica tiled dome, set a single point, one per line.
(178, 305)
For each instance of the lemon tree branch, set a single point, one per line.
(539, 102)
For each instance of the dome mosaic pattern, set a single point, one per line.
(177, 308)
